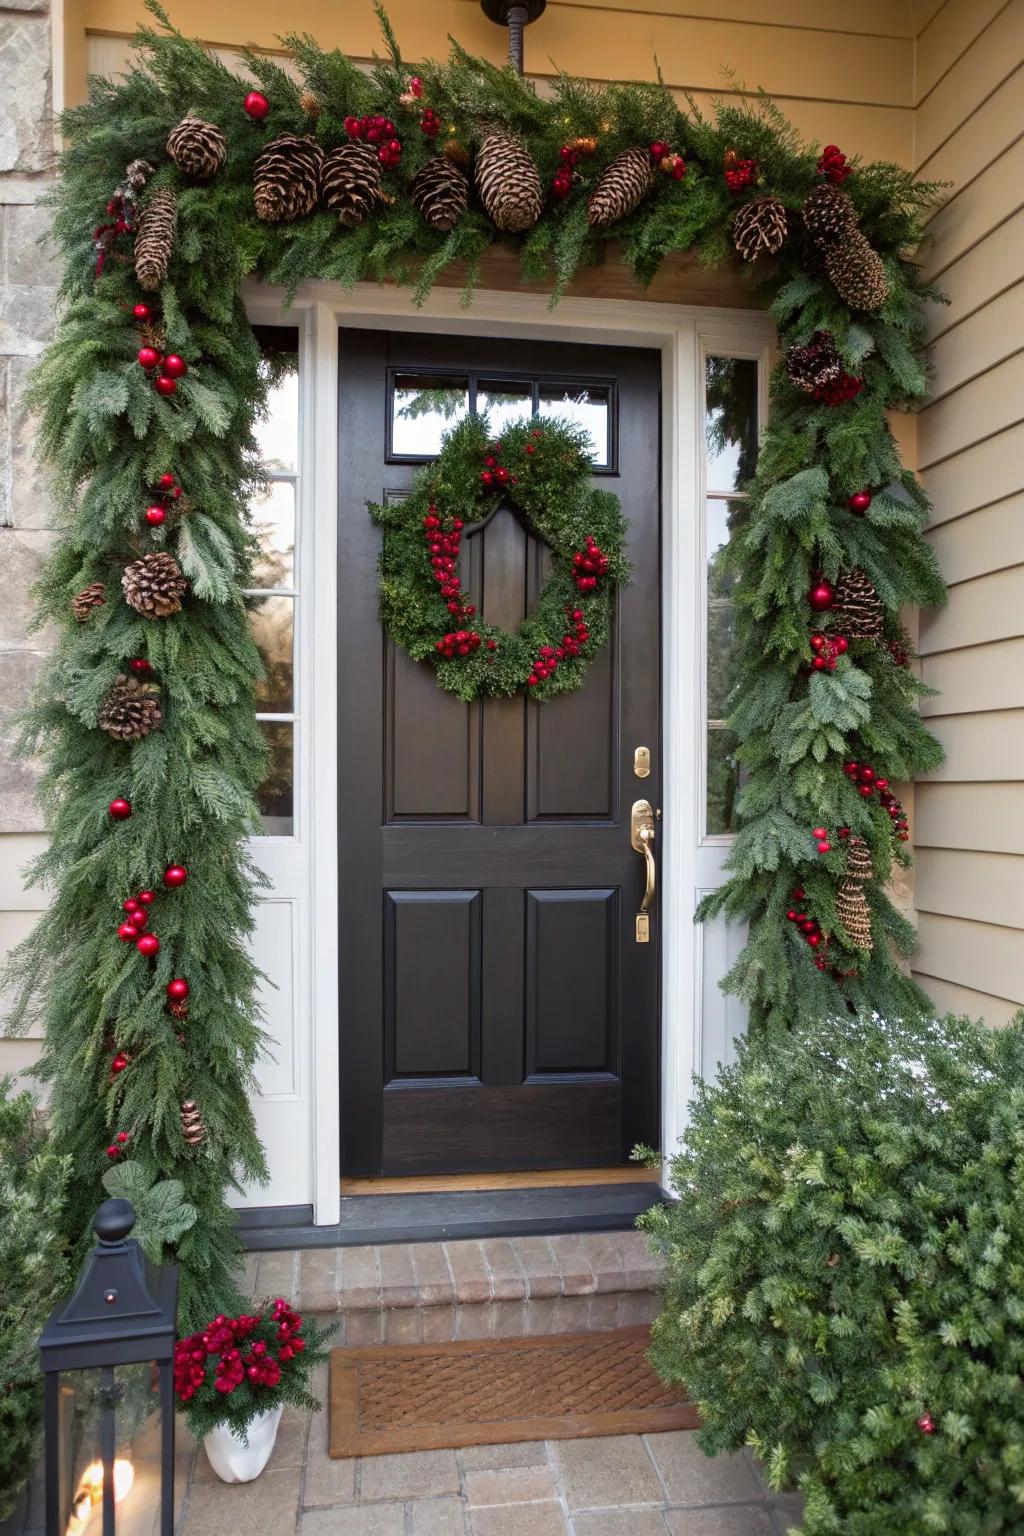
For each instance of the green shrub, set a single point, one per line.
(33, 1274)
(845, 1287)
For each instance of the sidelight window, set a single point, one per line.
(730, 436)
(273, 597)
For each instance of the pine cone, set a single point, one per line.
(192, 1127)
(154, 585)
(137, 173)
(90, 597)
(310, 105)
(351, 182)
(286, 178)
(854, 914)
(621, 187)
(857, 272)
(858, 861)
(131, 709)
(508, 183)
(828, 213)
(154, 238)
(815, 364)
(759, 228)
(178, 1009)
(858, 609)
(197, 148)
(440, 193)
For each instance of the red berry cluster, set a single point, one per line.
(827, 651)
(808, 926)
(167, 490)
(171, 368)
(495, 474)
(832, 164)
(430, 123)
(869, 783)
(289, 1330)
(443, 548)
(668, 160)
(545, 663)
(459, 642)
(118, 1146)
(589, 564)
(189, 1366)
(380, 131)
(840, 391)
(122, 213)
(136, 910)
(926, 1424)
(739, 174)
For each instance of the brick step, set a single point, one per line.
(408, 1293)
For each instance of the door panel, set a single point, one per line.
(496, 1009)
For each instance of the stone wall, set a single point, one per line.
(28, 291)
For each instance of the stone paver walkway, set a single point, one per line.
(626, 1485)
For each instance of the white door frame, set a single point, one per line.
(308, 864)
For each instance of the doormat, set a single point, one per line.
(428, 1397)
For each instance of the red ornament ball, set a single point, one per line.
(166, 482)
(175, 875)
(148, 945)
(177, 989)
(174, 366)
(141, 312)
(140, 666)
(147, 898)
(120, 809)
(165, 385)
(148, 357)
(139, 918)
(155, 516)
(821, 596)
(127, 933)
(859, 501)
(256, 106)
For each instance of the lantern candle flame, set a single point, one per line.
(90, 1492)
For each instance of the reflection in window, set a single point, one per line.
(273, 517)
(731, 421)
(271, 620)
(423, 408)
(277, 433)
(723, 781)
(275, 796)
(587, 406)
(505, 404)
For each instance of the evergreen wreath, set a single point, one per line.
(542, 470)
(180, 180)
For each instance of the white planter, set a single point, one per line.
(240, 1458)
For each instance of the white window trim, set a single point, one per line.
(691, 862)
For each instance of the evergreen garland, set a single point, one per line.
(114, 419)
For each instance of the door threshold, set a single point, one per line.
(539, 1178)
(447, 1215)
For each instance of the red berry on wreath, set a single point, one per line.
(139, 918)
(148, 944)
(926, 1424)
(175, 875)
(859, 502)
(147, 357)
(821, 595)
(177, 989)
(140, 666)
(817, 642)
(120, 809)
(141, 312)
(165, 385)
(127, 933)
(166, 482)
(174, 366)
(824, 847)
(256, 106)
(147, 898)
(486, 478)
(492, 645)
(155, 516)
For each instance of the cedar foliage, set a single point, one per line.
(846, 1259)
(108, 436)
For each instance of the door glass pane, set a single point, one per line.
(277, 433)
(504, 402)
(273, 519)
(423, 408)
(723, 781)
(731, 421)
(275, 796)
(722, 517)
(271, 620)
(721, 658)
(587, 406)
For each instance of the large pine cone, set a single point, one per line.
(440, 193)
(621, 187)
(154, 585)
(858, 860)
(154, 238)
(131, 709)
(197, 148)
(854, 914)
(508, 183)
(759, 228)
(858, 609)
(828, 212)
(350, 182)
(192, 1127)
(815, 364)
(90, 597)
(286, 178)
(857, 272)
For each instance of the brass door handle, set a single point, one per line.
(641, 837)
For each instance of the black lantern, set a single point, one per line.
(514, 14)
(107, 1356)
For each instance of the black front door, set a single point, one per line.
(497, 1011)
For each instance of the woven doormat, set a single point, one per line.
(427, 1397)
